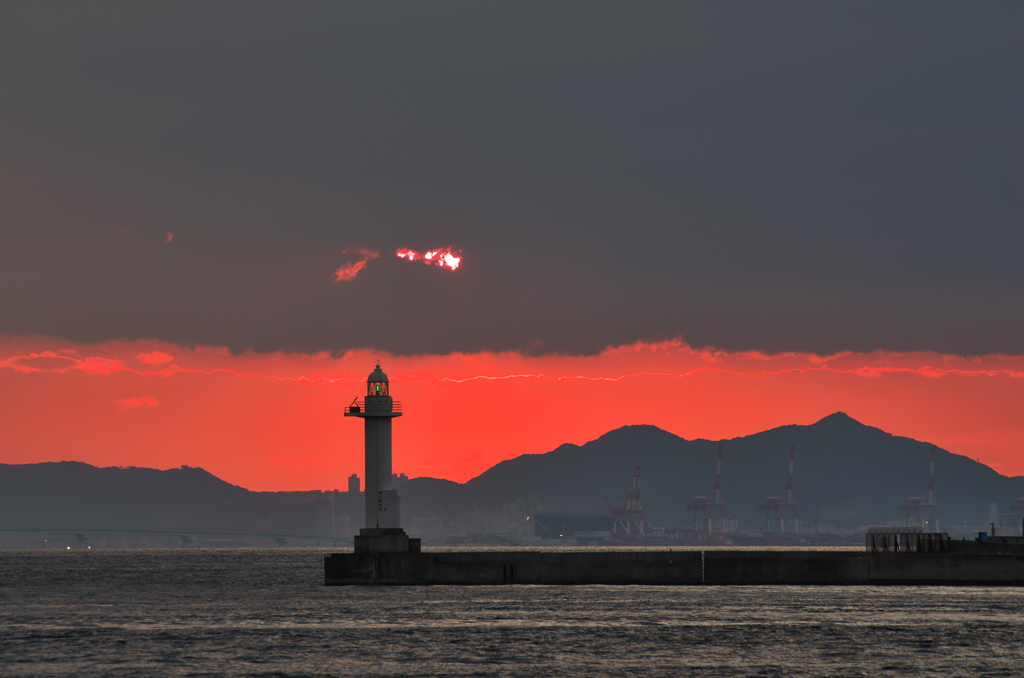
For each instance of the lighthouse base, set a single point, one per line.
(385, 540)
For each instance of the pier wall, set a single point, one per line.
(785, 567)
(515, 567)
(674, 568)
(947, 569)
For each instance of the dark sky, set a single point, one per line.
(816, 176)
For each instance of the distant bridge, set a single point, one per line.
(186, 536)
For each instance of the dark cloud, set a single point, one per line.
(813, 176)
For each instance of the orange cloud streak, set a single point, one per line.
(351, 269)
(126, 404)
(154, 358)
(274, 421)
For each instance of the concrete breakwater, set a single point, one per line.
(675, 568)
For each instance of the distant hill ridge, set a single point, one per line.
(72, 494)
(847, 474)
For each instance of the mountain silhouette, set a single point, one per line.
(73, 494)
(847, 474)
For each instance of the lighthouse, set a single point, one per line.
(382, 531)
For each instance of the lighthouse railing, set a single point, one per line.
(359, 405)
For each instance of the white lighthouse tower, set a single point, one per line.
(383, 531)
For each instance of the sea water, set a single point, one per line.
(265, 612)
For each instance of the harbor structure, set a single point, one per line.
(775, 508)
(628, 526)
(709, 511)
(382, 531)
(893, 557)
(923, 511)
